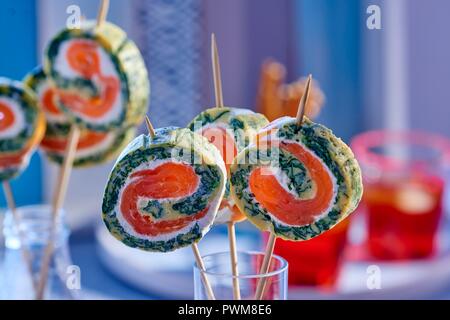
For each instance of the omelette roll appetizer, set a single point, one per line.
(164, 191)
(230, 130)
(296, 182)
(22, 126)
(93, 147)
(100, 76)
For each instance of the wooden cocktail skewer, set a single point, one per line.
(201, 266)
(17, 219)
(303, 102)
(198, 257)
(58, 200)
(63, 180)
(216, 72)
(260, 288)
(150, 128)
(234, 260)
(102, 12)
(231, 225)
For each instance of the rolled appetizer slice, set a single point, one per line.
(164, 191)
(93, 147)
(22, 126)
(100, 76)
(230, 130)
(296, 183)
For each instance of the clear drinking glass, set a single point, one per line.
(219, 275)
(35, 224)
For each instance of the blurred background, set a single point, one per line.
(389, 79)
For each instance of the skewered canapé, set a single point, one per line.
(230, 130)
(92, 148)
(164, 191)
(99, 75)
(296, 182)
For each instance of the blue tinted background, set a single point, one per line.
(17, 57)
(328, 47)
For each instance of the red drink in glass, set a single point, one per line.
(403, 217)
(403, 175)
(315, 262)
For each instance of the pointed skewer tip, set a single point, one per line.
(150, 128)
(304, 101)
(216, 72)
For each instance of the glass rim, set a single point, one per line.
(363, 143)
(39, 210)
(280, 270)
(36, 207)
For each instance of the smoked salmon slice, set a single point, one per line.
(48, 99)
(283, 204)
(223, 141)
(83, 57)
(167, 181)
